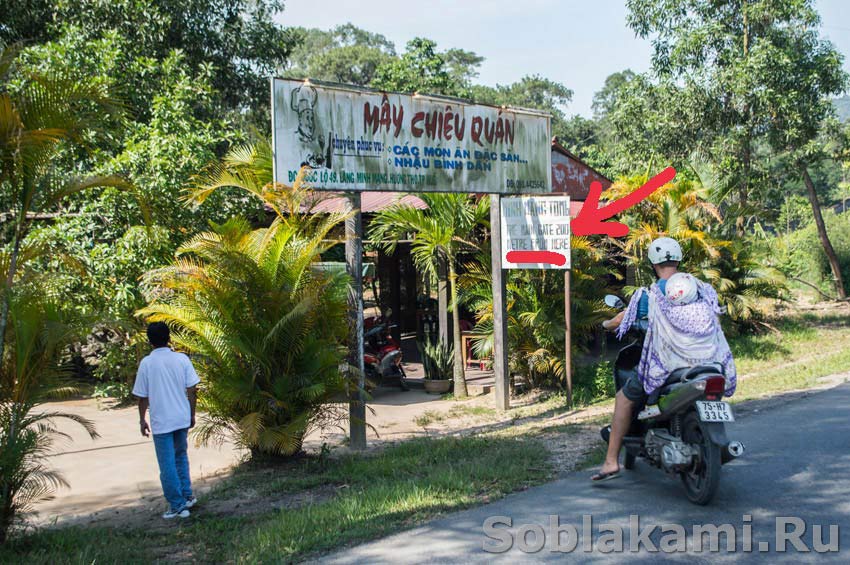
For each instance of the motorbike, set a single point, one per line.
(681, 428)
(382, 355)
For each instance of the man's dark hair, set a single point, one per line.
(158, 334)
(667, 264)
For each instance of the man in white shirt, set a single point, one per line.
(166, 383)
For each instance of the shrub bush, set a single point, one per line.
(805, 258)
(267, 332)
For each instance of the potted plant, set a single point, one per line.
(438, 363)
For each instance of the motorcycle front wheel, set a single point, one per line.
(402, 379)
(703, 478)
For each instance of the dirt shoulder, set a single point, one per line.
(115, 483)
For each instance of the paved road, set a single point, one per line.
(798, 465)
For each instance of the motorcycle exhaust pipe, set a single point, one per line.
(733, 450)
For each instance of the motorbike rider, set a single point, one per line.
(678, 334)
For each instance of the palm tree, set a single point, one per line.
(31, 375)
(250, 169)
(267, 331)
(39, 116)
(744, 283)
(441, 232)
(535, 308)
(679, 210)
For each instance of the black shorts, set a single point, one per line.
(633, 389)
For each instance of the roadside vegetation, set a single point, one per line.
(136, 184)
(296, 509)
(343, 500)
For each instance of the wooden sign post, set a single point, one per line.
(354, 139)
(568, 338)
(354, 266)
(534, 233)
(501, 370)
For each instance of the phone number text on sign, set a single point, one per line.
(536, 232)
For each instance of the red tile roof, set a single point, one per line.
(370, 202)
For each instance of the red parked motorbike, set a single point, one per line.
(382, 355)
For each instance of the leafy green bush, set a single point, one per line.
(803, 256)
(592, 383)
(266, 331)
(535, 302)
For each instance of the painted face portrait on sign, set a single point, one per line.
(303, 102)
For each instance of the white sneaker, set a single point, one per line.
(182, 513)
(190, 502)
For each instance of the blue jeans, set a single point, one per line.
(173, 467)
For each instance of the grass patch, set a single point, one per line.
(595, 458)
(458, 411)
(807, 347)
(429, 417)
(374, 495)
(477, 411)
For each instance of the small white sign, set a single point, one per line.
(536, 232)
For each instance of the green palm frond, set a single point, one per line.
(250, 168)
(265, 329)
(32, 374)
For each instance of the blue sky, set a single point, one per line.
(575, 42)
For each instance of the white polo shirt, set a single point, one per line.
(163, 377)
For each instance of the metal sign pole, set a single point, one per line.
(354, 266)
(500, 314)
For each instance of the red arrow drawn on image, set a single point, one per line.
(591, 218)
(550, 257)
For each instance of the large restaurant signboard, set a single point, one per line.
(356, 139)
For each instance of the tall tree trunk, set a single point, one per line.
(824, 237)
(460, 379)
(743, 194)
(442, 302)
(746, 157)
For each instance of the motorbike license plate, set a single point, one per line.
(715, 411)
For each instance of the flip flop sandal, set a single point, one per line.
(603, 477)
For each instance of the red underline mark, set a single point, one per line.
(550, 257)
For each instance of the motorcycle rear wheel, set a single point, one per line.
(629, 461)
(702, 480)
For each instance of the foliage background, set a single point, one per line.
(192, 73)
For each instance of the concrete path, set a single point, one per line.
(797, 465)
(118, 471)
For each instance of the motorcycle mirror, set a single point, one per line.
(613, 301)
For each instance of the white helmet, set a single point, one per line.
(681, 289)
(664, 249)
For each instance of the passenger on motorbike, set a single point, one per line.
(682, 330)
